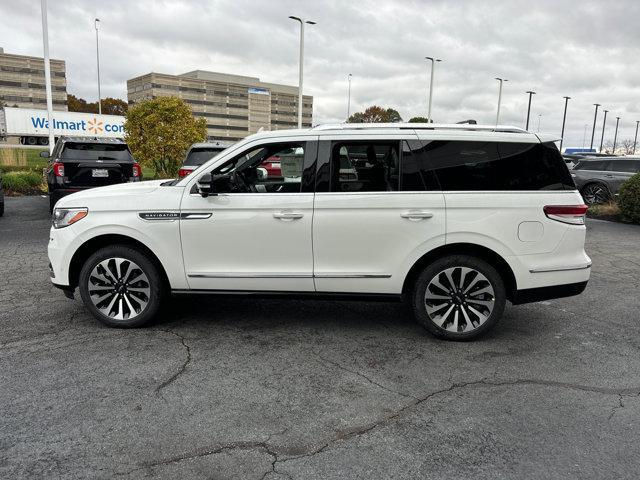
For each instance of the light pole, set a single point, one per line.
(615, 137)
(501, 81)
(349, 98)
(433, 67)
(529, 109)
(635, 140)
(96, 22)
(604, 123)
(302, 23)
(539, 119)
(47, 71)
(564, 119)
(593, 132)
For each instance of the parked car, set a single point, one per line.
(1, 196)
(198, 154)
(599, 179)
(79, 163)
(455, 219)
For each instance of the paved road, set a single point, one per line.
(274, 389)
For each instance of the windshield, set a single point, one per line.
(198, 156)
(96, 151)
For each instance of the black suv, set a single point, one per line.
(80, 163)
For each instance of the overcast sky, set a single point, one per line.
(586, 50)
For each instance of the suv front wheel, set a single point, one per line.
(458, 297)
(121, 286)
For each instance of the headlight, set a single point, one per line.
(63, 217)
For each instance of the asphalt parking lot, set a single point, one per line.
(248, 388)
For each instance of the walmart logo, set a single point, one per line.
(93, 126)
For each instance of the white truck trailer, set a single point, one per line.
(31, 127)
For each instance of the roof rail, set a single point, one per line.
(421, 126)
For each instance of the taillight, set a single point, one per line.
(572, 214)
(58, 169)
(183, 172)
(137, 171)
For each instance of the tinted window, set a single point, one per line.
(416, 176)
(96, 151)
(629, 166)
(198, 156)
(463, 165)
(365, 166)
(596, 165)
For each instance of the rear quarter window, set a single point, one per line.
(473, 166)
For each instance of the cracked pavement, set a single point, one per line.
(274, 389)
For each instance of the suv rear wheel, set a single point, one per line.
(595, 193)
(121, 286)
(459, 297)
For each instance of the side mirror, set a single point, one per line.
(44, 154)
(214, 184)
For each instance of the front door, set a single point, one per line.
(257, 235)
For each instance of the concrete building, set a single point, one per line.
(233, 105)
(22, 82)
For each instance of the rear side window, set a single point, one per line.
(365, 166)
(627, 166)
(96, 151)
(473, 166)
(198, 156)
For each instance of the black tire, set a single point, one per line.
(53, 199)
(1, 208)
(460, 305)
(595, 193)
(156, 286)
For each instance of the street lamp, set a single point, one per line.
(593, 132)
(564, 119)
(302, 23)
(96, 22)
(433, 67)
(349, 98)
(501, 81)
(47, 71)
(604, 123)
(615, 137)
(635, 140)
(529, 109)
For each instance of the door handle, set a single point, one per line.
(609, 175)
(288, 215)
(416, 215)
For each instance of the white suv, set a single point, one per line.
(457, 219)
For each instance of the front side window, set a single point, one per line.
(365, 166)
(254, 170)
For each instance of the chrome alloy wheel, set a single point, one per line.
(595, 194)
(459, 299)
(119, 288)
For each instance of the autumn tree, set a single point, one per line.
(376, 114)
(159, 132)
(110, 106)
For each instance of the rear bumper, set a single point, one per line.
(547, 293)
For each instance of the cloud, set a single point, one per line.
(586, 50)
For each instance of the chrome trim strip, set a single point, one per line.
(559, 269)
(351, 275)
(195, 216)
(285, 275)
(249, 275)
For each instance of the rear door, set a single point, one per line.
(374, 213)
(95, 164)
(620, 171)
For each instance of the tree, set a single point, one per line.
(623, 147)
(159, 132)
(110, 106)
(418, 120)
(375, 114)
(114, 106)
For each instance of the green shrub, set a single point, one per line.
(629, 199)
(23, 182)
